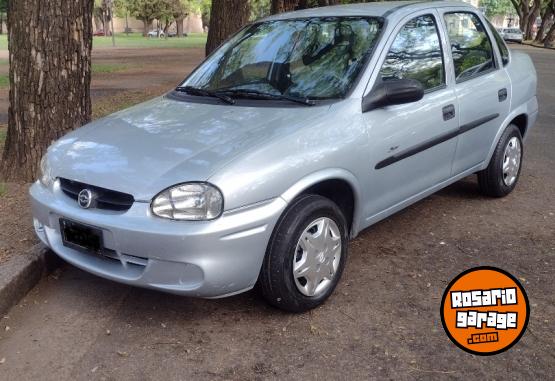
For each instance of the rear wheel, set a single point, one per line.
(306, 255)
(501, 176)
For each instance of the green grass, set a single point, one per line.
(3, 189)
(2, 135)
(108, 68)
(136, 40)
(4, 81)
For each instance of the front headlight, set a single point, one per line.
(192, 202)
(45, 178)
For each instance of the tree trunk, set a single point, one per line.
(145, 27)
(541, 31)
(549, 41)
(547, 17)
(1, 23)
(50, 74)
(179, 24)
(280, 6)
(226, 18)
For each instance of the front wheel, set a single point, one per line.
(306, 255)
(501, 176)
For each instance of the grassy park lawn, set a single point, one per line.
(136, 40)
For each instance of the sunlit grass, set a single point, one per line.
(4, 81)
(136, 40)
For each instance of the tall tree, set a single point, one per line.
(548, 17)
(528, 11)
(280, 6)
(226, 17)
(146, 11)
(50, 74)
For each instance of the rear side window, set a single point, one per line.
(501, 44)
(470, 46)
(416, 54)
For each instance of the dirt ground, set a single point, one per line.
(138, 75)
(382, 322)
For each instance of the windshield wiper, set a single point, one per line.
(255, 94)
(205, 93)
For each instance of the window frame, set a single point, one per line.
(429, 12)
(499, 42)
(487, 32)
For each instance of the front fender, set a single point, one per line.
(320, 176)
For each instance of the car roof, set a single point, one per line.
(378, 9)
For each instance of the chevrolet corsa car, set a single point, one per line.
(301, 130)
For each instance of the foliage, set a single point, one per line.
(497, 7)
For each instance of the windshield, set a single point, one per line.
(316, 58)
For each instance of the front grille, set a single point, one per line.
(105, 198)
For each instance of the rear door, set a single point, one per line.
(412, 145)
(482, 87)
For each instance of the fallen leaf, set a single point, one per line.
(122, 354)
(2, 360)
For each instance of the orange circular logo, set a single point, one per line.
(485, 311)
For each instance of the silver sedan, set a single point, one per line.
(297, 133)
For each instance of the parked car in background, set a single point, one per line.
(511, 34)
(157, 33)
(299, 132)
(101, 33)
(162, 34)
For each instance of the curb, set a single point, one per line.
(22, 272)
(538, 46)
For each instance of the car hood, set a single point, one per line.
(163, 142)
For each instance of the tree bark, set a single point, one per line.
(50, 74)
(179, 22)
(549, 41)
(145, 27)
(280, 6)
(547, 17)
(226, 18)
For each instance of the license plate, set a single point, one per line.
(81, 237)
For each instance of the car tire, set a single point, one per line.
(293, 247)
(502, 174)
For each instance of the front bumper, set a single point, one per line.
(206, 259)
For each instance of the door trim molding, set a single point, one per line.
(411, 151)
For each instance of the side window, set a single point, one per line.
(502, 47)
(416, 54)
(470, 45)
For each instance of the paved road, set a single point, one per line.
(382, 323)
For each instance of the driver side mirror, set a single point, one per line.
(394, 92)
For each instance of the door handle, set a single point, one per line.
(502, 94)
(448, 112)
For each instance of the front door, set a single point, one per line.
(412, 146)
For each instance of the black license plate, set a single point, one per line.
(81, 237)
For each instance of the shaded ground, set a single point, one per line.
(121, 78)
(382, 323)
